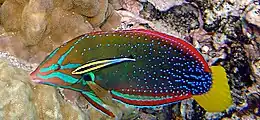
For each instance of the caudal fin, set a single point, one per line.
(218, 98)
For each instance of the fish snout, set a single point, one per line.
(34, 77)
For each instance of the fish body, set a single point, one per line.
(137, 67)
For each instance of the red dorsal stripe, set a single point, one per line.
(193, 51)
(190, 49)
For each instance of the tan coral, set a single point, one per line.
(51, 106)
(34, 20)
(2, 1)
(22, 2)
(132, 6)
(15, 100)
(115, 3)
(109, 11)
(64, 4)
(97, 20)
(11, 13)
(66, 25)
(89, 8)
(112, 22)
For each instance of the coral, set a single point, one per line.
(49, 105)
(252, 14)
(22, 100)
(66, 25)
(115, 3)
(164, 5)
(16, 94)
(225, 32)
(89, 8)
(34, 20)
(33, 28)
(11, 12)
(132, 6)
(112, 21)
(97, 20)
(2, 1)
(180, 18)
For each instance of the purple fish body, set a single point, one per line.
(165, 69)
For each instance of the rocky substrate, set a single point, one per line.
(226, 33)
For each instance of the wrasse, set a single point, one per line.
(142, 68)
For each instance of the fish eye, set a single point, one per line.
(57, 67)
(89, 77)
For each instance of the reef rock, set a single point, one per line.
(116, 4)
(66, 25)
(253, 16)
(89, 8)
(20, 99)
(34, 20)
(97, 20)
(16, 94)
(33, 28)
(112, 21)
(11, 12)
(132, 6)
(164, 5)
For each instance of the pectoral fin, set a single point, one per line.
(101, 99)
(100, 92)
(98, 104)
(100, 64)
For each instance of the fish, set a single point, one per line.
(138, 67)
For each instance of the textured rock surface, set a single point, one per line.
(226, 32)
(89, 8)
(164, 5)
(33, 28)
(97, 20)
(16, 94)
(22, 100)
(11, 13)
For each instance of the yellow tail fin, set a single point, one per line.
(218, 98)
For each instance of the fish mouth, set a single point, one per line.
(34, 77)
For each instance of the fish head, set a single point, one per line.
(54, 71)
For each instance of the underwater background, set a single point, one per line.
(224, 31)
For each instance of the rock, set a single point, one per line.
(11, 13)
(110, 10)
(115, 3)
(34, 20)
(65, 25)
(89, 8)
(64, 4)
(97, 20)
(164, 5)
(2, 1)
(16, 94)
(22, 2)
(180, 18)
(112, 22)
(253, 16)
(20, 99)
(132, 6)
(51, 106)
